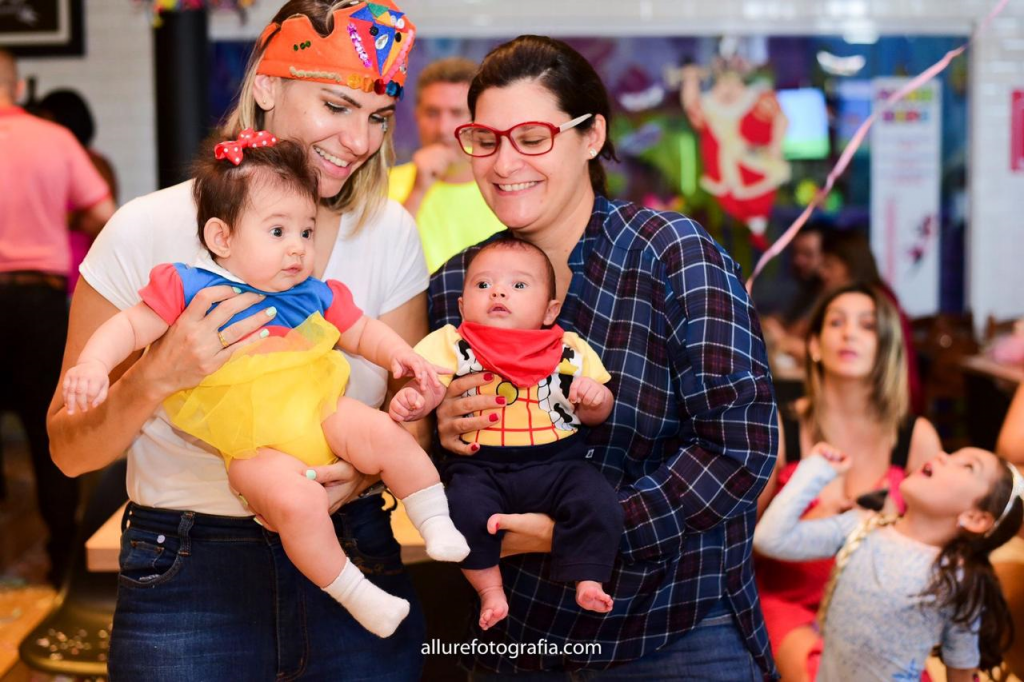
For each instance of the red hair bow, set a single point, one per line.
(232, 149)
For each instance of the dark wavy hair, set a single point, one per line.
(222, 189)
(564, 73)
(965, 582)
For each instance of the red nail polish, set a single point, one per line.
(488, 376)
(474, 447)
(493, 417)
(501, 400)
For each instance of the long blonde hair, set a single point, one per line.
(367, 189)
(890, 387)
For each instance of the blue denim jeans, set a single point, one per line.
(711, 652)
(204, 597)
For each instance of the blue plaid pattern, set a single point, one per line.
(689, 445)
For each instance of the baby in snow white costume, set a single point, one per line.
(534, 460)
(276, 406)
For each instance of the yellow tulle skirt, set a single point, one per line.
(274, 393)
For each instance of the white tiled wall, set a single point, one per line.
(116, 78)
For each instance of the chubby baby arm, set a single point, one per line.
(86, 384)
(593, 400)
(381, 345)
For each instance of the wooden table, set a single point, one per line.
(104, 546)
(987, 367)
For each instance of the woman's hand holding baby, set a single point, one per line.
(451, 420)
(191, 349)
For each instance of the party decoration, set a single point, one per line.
(158, 7)
(741, 130)
(855, 142)
(367, 50)
(233, 150)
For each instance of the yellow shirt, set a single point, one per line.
(533, 415)
(450, 218)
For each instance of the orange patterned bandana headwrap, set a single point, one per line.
(367, 50)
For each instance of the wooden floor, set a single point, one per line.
(25, 598)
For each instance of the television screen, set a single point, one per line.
(807, 132)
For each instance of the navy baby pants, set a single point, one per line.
(553, 479)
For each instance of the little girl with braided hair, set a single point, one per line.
(277, 407)
(904, 585)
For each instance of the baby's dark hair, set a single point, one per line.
(511, 243)
(222, 189)
(965, 582)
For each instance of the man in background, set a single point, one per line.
(437, 186)
(44, 174)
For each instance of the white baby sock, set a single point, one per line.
(428, 511)
(374, 609)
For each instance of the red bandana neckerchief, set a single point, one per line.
(522, 356)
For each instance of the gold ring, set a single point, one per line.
(223, 342)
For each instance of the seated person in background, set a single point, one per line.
(905, 584)
(437, 186)
(277, 407)
(847, 259)
(856, 401)
(551, 384)
(791, 300)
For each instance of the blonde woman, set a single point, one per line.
(205, 592)
(857, 402)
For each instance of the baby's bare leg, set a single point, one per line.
(493, 604)
(275, 485)
(373, 443)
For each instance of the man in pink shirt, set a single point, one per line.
(44, 174)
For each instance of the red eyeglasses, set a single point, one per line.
(532, 138)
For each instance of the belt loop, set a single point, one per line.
(188, 519)
(124, 517)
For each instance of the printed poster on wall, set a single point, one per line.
(1017, 131)
(906, 147)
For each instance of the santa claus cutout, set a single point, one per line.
(741, 128)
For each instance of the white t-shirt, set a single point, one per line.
(382, 265)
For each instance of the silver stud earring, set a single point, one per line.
(593, 153)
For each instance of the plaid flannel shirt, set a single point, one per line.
(689, 445)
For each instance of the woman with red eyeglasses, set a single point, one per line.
(692, 438)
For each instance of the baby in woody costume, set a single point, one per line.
(277, 406)
(551, 383)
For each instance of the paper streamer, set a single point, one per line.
(855, 142)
